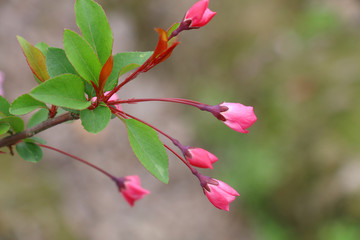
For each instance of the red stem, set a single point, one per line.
(78, 159)
(128, 79)
(174, 100)
(193, 170)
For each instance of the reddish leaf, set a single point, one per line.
(35, 59)
(105, 73)
(162, 51)
(164, 55)
(162, 43)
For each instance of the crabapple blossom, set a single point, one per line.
(199, 14)
(238, 116)
(112, 98)
(199, 157)
(220, 194)
(131, 189)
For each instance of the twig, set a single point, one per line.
(13, 139)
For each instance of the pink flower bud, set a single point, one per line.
(220, 194)
(199, 14)
(130, 188)
(237, 116)
(114, 97)
(199, 157)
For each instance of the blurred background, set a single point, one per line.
(298, 170)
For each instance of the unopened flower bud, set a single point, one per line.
(237, 116)
(220, 194)
(131, 189)
(199, 14)
(199, 157)
(114, 97)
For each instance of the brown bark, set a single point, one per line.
(13, 139)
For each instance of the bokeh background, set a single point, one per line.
(298, 170)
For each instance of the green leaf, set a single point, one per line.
(35, 140)
(61, 111)
(95, 120)
(128, 68)
(148, 148)
(172, 29)
(16, 123)
(65, 90)
(4, 107)
(71, 110)
(25, 104)
(90, 90)
(38, 117)
(29, 151)
(57, 62)
(82, 56)
(121, 63)
(35, 59)
(94, 26)
(43, 47)
(4, 127)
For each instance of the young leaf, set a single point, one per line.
(96, 120)
(38, 117)
(105, 73)
(65, 90)
(25, 104)
(43, 47)
(16, 123)
(82, 56)
(148, 148)
(4, 107)
(94, 26)
(57, 62)
(4, 127)
(35, 59)
(121, 61)
(29, 151)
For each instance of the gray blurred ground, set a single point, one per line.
(59, 198)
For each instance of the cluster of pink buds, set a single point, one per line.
(235, 115)
(107, 104)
